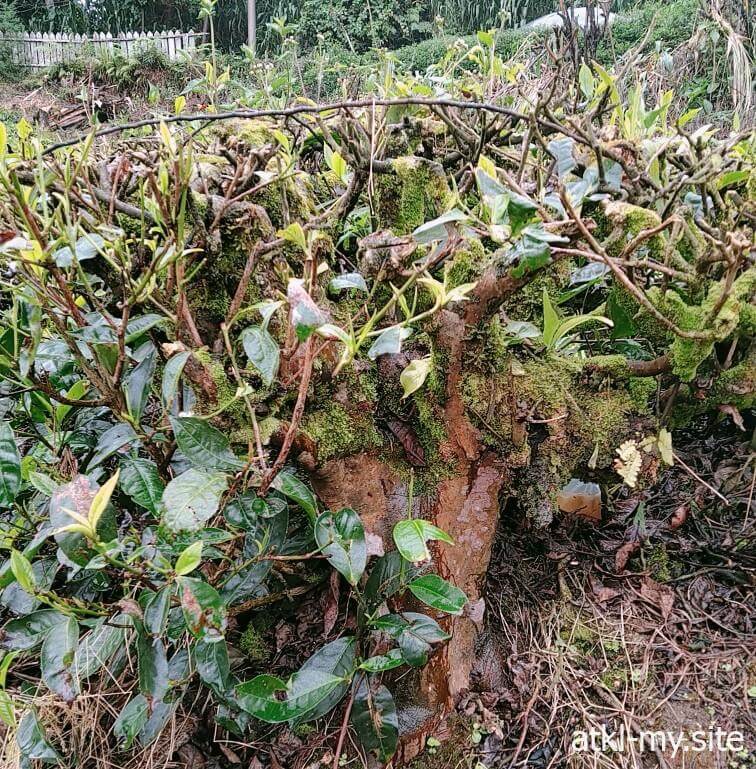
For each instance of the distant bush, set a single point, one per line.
(674, 24)
(358, 26)
(324, 78)
(130, 74)
(10, 21)
(420, 56)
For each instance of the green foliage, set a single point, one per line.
(159, 412)
(135, 75)
(675, 23)
(358, 27)
(10, 21)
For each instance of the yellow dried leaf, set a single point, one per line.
(629, 462)
(664, 442)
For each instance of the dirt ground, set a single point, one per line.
(645, 623)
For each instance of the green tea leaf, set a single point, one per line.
(24, 633)
(551, 320)
(156, 609)
(411, 538)
(10, 466)
(141, 481)
(57, 659)
(389, 341)
(189, 559)
(375, 719)
(77, 497)
(205, 447)
(441, 227)
(152, 664)
(341, 538)
(294, 234)
(203, 608)
(348, 280)
(32, 741)
(290, 486)
(213, 666)
(130, 721)
(438, 594)
(191, 499)
(414, 375)
(137, 384)
(260, 696)
(587, 80)
(7, 709)
(44, 484)
(97, 647)
(22, 571)
(174, 367)
(562, 149)
(336, 658)
(387, 575)
(138, 327)
(389, 661)
(262, 351)
(112, 440)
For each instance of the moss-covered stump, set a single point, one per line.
(412, 193)
(465, 503)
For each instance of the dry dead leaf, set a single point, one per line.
(679, 517)
(476, 610)
(331, 608)
(732, 412)
(602, 592)
(661, 596)
(624, 554)
(664, 444)
(230, 755)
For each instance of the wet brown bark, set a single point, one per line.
(465, 504)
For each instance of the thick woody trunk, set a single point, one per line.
(466, 505)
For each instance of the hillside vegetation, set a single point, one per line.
(274, 377)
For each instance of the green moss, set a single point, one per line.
(414, 193)
(691, 244)
(231, 410)
(210, 291)
(603, 422)
(527, 303)
(548, 382)
(254, 645)
(253, 134)
(641, 391)
(338, 432)
(657, 561)
(614, 366)
(736, 387)
(687, 355)
(615, 677)
(303, 731)
(300, 194)
(467, 265)
(487, 399)
(575, 632)
(626, 311)
(453, 751)
(423, 414)
(625, 222)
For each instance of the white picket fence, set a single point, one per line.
(34, 49)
